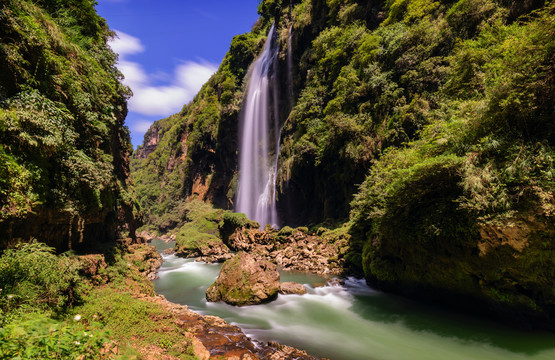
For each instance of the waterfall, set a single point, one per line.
(259, 138)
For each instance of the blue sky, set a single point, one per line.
(169, 48)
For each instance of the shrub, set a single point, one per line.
(233, 221)
(37, 336)
(33, 275)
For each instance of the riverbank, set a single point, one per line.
(206, 337)
(102, 305)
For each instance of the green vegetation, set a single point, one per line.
(37, 336)
(233, 221)
(200, 232)
(64, 148)
(134, 323)
(32, 275)
(38, 290)
(68, 307)
(475, 189)
(424, 125)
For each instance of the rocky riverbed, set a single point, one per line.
(211, 336)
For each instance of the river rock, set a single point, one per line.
(288, 288)
(205, 247)
(245, 281)
(168, 251)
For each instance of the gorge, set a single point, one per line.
(396, 157)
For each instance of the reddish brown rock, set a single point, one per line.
(288, 288)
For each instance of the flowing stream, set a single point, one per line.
(259, 139)
(353, 321)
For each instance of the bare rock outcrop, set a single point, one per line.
(292, 249)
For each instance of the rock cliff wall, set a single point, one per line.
(64, 169)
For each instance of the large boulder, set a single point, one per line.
(245, 281)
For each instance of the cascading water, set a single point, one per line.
(352, 321)
(259, 139)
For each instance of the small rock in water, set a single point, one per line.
(168, 251)
(288, 288)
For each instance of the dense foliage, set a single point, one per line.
(63, 146)
(473, 195)
(38, 289)
(70, 307)
(426, 124)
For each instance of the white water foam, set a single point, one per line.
(352, 322)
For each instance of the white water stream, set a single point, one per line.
(259, 139)
(354, 322)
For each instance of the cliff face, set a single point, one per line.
(64, 149)
(150, 143)
(427, 124)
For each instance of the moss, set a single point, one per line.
(233, 221)
(132, 320)
(234, 281)
(200, 232)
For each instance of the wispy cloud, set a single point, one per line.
(158, 100)
(206, 14)
(141, 126)
(125, 44)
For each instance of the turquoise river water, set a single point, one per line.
(352, 321)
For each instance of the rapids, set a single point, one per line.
(354, 322)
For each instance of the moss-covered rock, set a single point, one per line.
(198, 237)
(423, 243)
(233, 221)
(245, 281)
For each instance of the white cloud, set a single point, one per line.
(125, 44)
(141, 126)
(193, 75)
(135, 76)
(158, 100)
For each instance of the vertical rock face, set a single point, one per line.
(64, 153)
(150, 143)
(245, 281)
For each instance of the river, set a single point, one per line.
(353, 321)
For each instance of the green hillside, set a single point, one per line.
(427, 126)
(64, 149)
